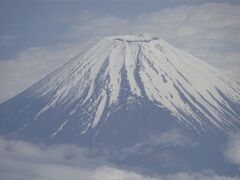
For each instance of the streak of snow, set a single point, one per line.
(60, 128)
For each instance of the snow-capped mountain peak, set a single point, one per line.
(127, 72)
(145, 67)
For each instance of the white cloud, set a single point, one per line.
(22, 160)
(232, 150)
(202, 30)
(171, 138)
(163, 143)
(25, 161)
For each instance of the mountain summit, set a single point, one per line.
(123, 86)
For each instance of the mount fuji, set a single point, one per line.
(132, 92)
(123, 83)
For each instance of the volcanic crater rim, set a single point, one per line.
(134, 38)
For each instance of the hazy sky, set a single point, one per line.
(37, 36)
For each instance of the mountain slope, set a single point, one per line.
(117, 78)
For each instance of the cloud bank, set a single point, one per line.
(26, 161)
(22, 160)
